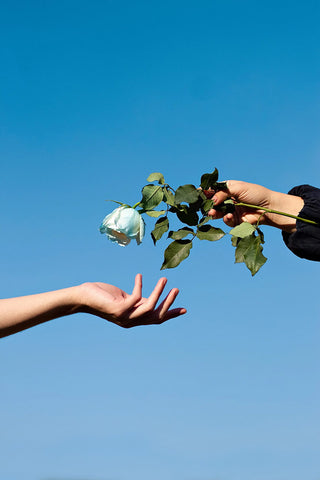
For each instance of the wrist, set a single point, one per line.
(75, 299)
(285, 203)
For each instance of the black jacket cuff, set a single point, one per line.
(305, 241)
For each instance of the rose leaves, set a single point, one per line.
(191, 205)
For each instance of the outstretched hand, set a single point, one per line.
(129, 310)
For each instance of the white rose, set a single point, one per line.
(123, 225)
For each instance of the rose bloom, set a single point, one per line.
(123, 225)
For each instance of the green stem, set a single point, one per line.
(136, 205)
(270, 210)
(168, 186)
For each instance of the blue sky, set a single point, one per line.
(94, 97)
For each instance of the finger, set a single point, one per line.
(175, 312)
(215, 213)
(230, 220)
(220, 197)
(154, 319)
(156, 293)
(136, 292)
(146, 309)
(166, 303)
(162, 313)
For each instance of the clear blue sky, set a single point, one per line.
(94, 97)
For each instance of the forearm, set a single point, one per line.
(286, 203)
(19, 313)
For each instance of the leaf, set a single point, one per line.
(242, 246)
(181, 233)
(156, 177)
(161, 227)
(202, 195)
(175, 253)
(254, 259)
(168, 197)
(207, 232)
(152, 195)
(197, 206)
(209, 179)
(226, 207)
(221, 186)
(234, 241)
(207, 205)
(203, 221)
(243, 230)
(249, 251)
(119, 203)
(187, 215)
(261, 235)
(186, 193)
(154, 213)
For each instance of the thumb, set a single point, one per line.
(232, 189)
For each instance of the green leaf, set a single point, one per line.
(181, 233)
(226, 207)
(187, 194)
(152, 195)
(234, 241)
(187, 215)
(154, 213)
(209, 179)
(202, 196)
(243, 230)
(221, 186)
(261, 235)
(207, 205)
(254, 258)
(204, 220)
(119, 203)
(156, 177)
(207, 232)
(175, 253)
(161, 227)
(242, 246)
(168, 197)
(249, 251)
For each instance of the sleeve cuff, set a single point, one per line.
(305, 241)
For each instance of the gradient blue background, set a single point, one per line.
(94, 97)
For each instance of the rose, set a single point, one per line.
(191, 206)
(123, 225)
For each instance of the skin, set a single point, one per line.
(257, 195)
(99, 299)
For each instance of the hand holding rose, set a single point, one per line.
(250, 193)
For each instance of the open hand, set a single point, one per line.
(128, 310)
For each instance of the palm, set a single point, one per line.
(128, 310)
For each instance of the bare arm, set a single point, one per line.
(100, 299)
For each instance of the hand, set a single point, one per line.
(253, 194)
(117, 306)
(242, 192)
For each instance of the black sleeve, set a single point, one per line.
(305, 241)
